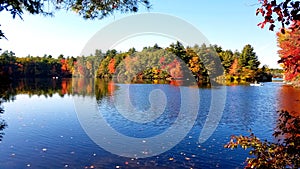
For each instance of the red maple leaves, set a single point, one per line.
(289, 52)
(285, 12)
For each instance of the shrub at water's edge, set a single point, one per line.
(285, 153)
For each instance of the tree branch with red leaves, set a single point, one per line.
(285, 12)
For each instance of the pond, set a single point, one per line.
(87, 123)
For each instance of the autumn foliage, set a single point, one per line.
(285, 153)
(285, 12)
(234, 67)
(289, 44)
(174, 68)
(199, 63)
(111, 66)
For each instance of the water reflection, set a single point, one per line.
(54, 126)
(50, 87)
(3, 124)
(75, 86)
(289, 99)
(244, 107)
(3, 97)
(249, 107)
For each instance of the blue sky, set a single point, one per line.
(230, 24)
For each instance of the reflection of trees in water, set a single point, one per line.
(92, 87)
(3, 124)
(49, 87)
(289, 99)
(46, 87)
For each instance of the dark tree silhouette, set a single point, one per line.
(3, 124)
(285, 12)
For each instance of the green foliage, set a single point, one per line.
(17, 7)
(178, 50)
(13, 67)
(176, 61)
(143, 65)
(277, 72)
(285, 153)
(241, 67)
(100, 9)
(210, 60)
(248, 58)
(227, 59)
(196, 65)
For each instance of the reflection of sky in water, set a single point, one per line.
(141, 103)
(251, 107)
(45, 132)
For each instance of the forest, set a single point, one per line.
(173, 62)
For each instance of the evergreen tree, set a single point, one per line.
(248, 58)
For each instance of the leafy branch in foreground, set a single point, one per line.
(285, 153)
(285, 12)
(88, 9)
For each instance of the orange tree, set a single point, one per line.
(289, 44)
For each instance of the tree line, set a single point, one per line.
(173, 62)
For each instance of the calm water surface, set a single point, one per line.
(43, 130)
